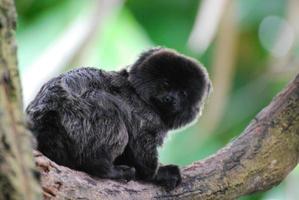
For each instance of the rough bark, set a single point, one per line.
(16, 161)
(257, 160)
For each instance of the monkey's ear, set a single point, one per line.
(146, 54)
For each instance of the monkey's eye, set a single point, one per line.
(165, 84)
(185, 94)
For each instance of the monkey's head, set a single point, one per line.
(173, 84)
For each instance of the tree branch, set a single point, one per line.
(257, 160)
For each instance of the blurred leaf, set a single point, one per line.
(34, 37)
(119, 43)
(168, 22)
(251, 12)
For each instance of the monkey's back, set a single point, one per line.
(75, 113)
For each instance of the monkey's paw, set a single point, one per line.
(168, 176)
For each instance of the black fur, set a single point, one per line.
(109, 124)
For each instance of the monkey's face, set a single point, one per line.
(173, 84)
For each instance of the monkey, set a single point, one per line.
(110, 123)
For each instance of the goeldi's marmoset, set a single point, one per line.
(109, 124)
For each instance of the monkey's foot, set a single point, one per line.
(128, 173)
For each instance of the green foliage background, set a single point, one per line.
(141, 24)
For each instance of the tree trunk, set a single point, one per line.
(257, 160)
(17, 180)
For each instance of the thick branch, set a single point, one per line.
(257, 160)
